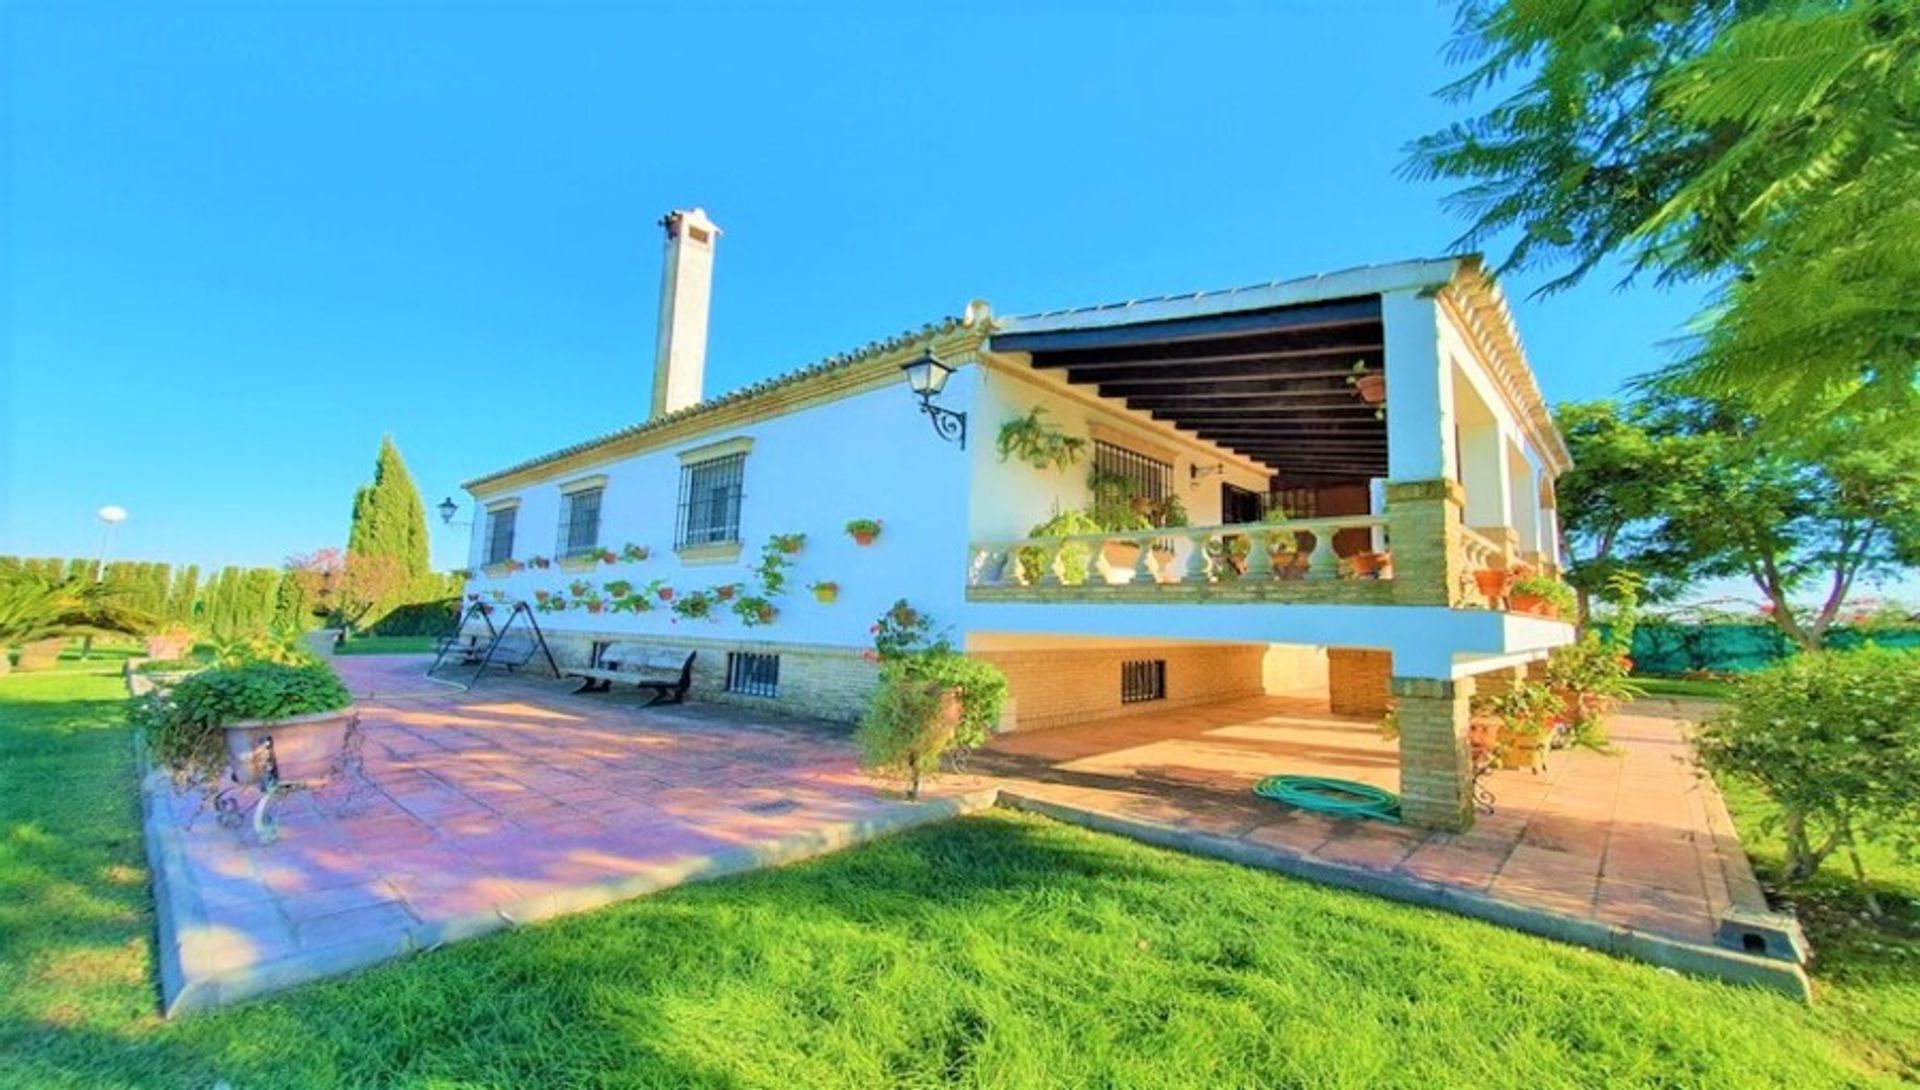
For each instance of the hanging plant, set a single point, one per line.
(604, 556)
(726, 591)
(696, 605)
(541, 595)
(579, 588)
(1039, 444)
(1370, 385)
(754, 611)
(618, 588)
(498, 595)
(788, 543)
(826, 592)
(512, 565)
(540, 562)
(594, 603)
(634, 554)
(774, 562)
(864, 531)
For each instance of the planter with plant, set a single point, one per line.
(1032, 440)
(931, 701)
(1073, 559)
(1495, 584)
(826, 592)
(618, 588)
(863, 531)
(264, 722)
(694, 606)
(788, 543)
(594, 603)
(1370, 385)
(1527, 712)
(754, 611)
(539, 563)
(579, 588)
(634, 554)
(1543, 596)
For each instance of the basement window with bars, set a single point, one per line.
(710, 502)
(1142, 680)
(751, 674)
(580, 522)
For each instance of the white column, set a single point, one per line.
(1419, 390)
(1525, 492)
(1484, 467)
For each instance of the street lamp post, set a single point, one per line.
(110, 516)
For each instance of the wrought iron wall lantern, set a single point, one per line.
(927, 376)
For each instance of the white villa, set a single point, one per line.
(1329, 538)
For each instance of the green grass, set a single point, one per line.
(1702, 688)
(389, 645)
(995, 951)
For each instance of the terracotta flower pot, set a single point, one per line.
(1494, 583)
(1371, 388)
(1534, 604)
(1483, 735)
(666, 594)
(826, 595)
(306, 748)
(1522, 751)
(864, 537)
(596, 607)
(725, 594)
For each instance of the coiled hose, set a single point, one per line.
(1324, 795)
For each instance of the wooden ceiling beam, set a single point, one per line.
(1253, 370)
(1360, 310)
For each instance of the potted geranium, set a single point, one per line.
(1527, 711)
(540, 563)
(826, 591)
(788, 543)
(863, 531)
(754, 610)
(633, 554)
(1542, 595)
(1495, 584)
(264, 722)
(1370, 385)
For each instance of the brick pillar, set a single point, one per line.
(1423, 528)
(1436, 762)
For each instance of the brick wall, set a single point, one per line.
(1057, 686)
(816, 682)
(1358, 680)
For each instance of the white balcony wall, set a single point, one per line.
(1010, 497)
(872, 455)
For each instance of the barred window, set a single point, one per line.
(710, 502)
(579, 521)
(1143, 679)
(1152, 478)
(753, 675)
(500, 534)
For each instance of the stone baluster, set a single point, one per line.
(1143, 565)
(1322, 563)
(1199, 565)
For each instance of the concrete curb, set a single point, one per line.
(192, 977)
(1710, 961)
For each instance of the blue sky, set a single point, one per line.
(242, 244)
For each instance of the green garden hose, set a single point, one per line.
(1341, 798)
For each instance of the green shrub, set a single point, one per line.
(904, 730)
(1076, 557)
(1834, 738)
(183, 725)
(173, 666)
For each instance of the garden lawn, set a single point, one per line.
(389, 645)
(1702, 688)
(995, 951)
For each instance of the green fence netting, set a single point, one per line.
(1671, 649)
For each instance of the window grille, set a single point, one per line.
(1143, 679)
(752, 674)
(500, 534)
(579, 522)
(710, 502)
(1298, 503)
(1152, 478)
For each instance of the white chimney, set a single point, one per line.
(686, 287)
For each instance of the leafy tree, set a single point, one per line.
(1630, 468)
(34, 607)
(1819, 509)
(1767, 144)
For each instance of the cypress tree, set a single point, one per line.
(183, 594)
(388, 517)
(292, 613)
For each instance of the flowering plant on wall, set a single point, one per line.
(551, 603)
(539, 562)
(579, 588)
(660, 590)
(863, 531)
(754, 610)
(512, 565)
(787, 543)
(603, 556)
(634, 554)
(725, 591)
(697, 605)
(617, 588)
(594, 603)
(826, 592)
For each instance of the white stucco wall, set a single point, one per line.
(1011, 497)
(872, 455)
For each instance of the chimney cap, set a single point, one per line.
(680, 217)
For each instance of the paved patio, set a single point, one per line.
(1630, 843)
(513, 803)
(521, 801)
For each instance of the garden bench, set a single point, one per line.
(668, 672)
